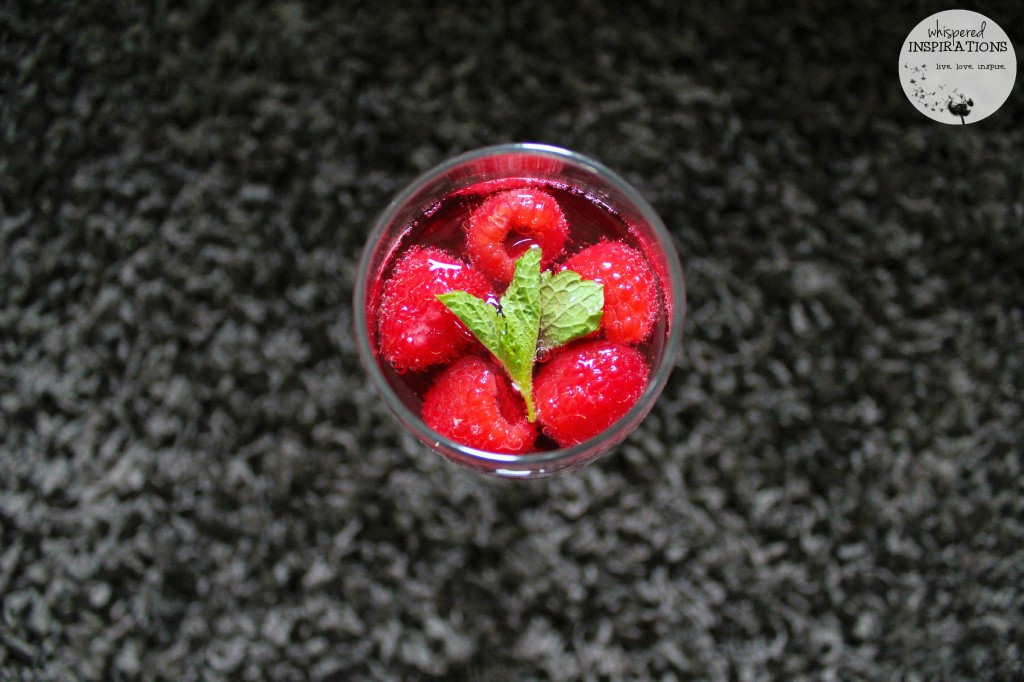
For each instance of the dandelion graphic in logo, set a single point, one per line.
(943, 98)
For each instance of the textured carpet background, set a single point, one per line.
(196, 482)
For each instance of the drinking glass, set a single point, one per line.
(495, 165)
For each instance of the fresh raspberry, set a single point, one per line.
(585, 387)
(503, 227)
(417, 330)
(630, 292)
(473, 403)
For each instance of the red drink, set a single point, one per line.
(430, 243)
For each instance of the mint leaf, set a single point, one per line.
(572, 307)
(520, 306)
(479, 316)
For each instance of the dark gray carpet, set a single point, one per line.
(196, 482)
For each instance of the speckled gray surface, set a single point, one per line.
(196, 482)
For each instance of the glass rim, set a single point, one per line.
(548, 461)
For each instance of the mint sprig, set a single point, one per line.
(537, 311)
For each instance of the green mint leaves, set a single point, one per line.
(570, 306)
(538, 311)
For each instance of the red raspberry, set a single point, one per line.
(630, 292)
(417, 330)
(585, 387)
(502, 228)
(473, 403)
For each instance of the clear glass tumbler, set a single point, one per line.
(509, 164)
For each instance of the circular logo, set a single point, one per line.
(957, 67)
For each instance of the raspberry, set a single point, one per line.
(585, 387)
(417, 330)
(630, 292)
(502, 228)
(473, 403)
